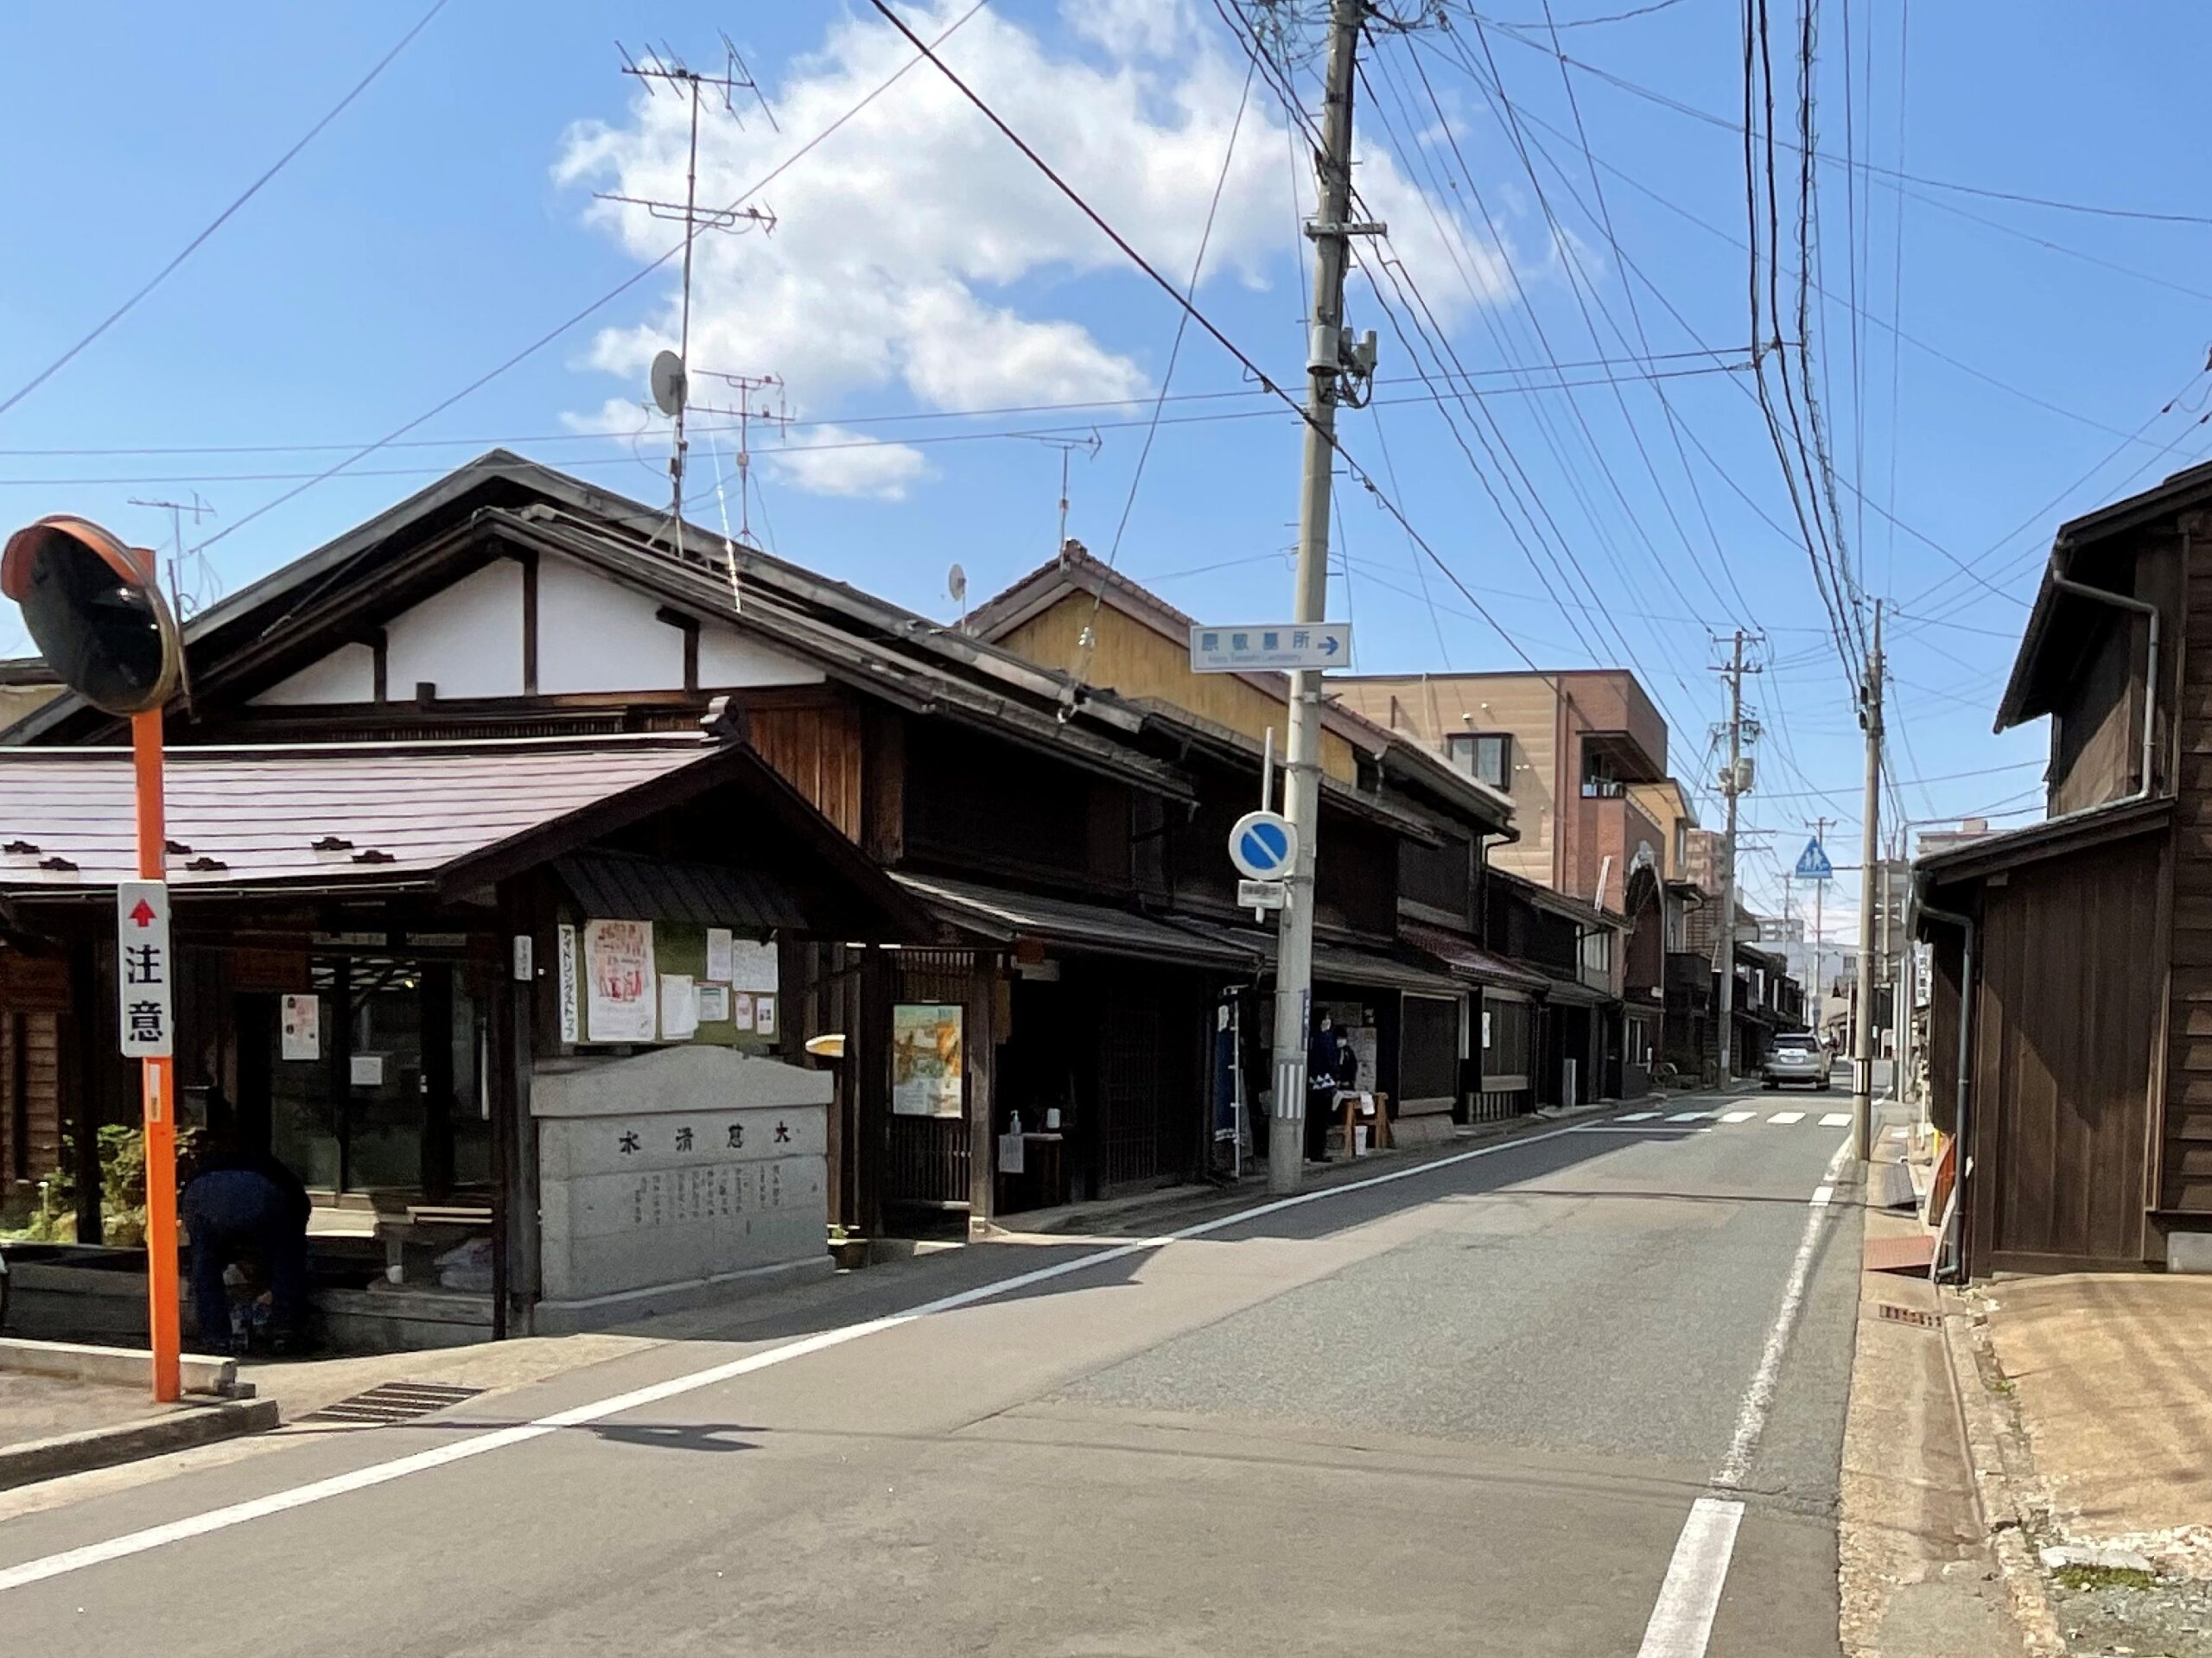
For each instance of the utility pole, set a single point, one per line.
(1731, 781)
(1820, 961)
(1330, 355)
(1862, 1079)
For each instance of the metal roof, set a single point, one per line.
(622, 884)
(1005, 916)
(1470, 960)
(338, 814)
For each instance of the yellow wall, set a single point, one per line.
(1136, 660)
(1524, 706)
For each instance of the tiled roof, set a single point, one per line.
(321, 814)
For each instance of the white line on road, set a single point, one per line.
(1689, 1596)
(1836, 1120)
(299, 1497)
(1689, 1117)
(1636, 1117)
(1682, 1623)
(1737, 1116)
(1787, 1117)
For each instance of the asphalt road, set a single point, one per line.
(1466, 1411)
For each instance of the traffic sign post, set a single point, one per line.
(96, 613)
(1263, 845)
(1812, 862)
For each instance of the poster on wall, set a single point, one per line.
(300, 1018)
(679, 1007)
(1362, 1047)
(925, 1060)
(764, 1015)
(568, 982)
(619, 985)
(713, 1004)
(751, 965)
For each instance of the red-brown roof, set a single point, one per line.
(318, 815)
(1470, 960)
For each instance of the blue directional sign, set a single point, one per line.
(1277, 645)
(1813, 863)
(1263, 845)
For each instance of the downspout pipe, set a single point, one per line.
(2142, 607)
(1962, 1095)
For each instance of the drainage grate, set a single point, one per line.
(392, 1402)
(1911, 1316)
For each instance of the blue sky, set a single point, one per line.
(918, 268)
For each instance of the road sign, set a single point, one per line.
(1261, 894)
(146, 1012)
(1813, 863)
(1280, 646)
(1263, 845)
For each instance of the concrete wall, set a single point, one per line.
(669, 1170)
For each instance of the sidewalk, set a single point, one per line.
(2101, 1384)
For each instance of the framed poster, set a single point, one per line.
(619, 981)
(925, 1060)
(302, 1022)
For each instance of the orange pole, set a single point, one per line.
(159, 1091)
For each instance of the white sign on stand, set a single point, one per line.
(146, 1012)
(1266, 646)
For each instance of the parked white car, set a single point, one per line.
(1796, 1057)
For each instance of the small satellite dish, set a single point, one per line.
(667, 381)
(956, 584)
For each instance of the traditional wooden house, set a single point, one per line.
(1398, 959)
(1018, 813)
(2072, 984)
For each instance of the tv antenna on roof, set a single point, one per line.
(185, 603)
(955, 585)
(666, 67)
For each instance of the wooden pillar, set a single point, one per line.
(869, 1044)
(435, 1005)
(980, 1059)
(338, 1060)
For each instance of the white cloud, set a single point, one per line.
(829, 460)
(916, 250)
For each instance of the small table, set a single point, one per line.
(1357, 1105)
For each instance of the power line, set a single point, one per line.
(222, 218)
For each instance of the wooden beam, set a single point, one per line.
(528, 558)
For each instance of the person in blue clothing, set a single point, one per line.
(244, 1204)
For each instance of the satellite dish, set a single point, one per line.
(94, 612)
(668, 382)
(955, 583)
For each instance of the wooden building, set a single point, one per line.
(2072, 985)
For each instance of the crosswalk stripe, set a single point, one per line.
(1689, 1117)
(1739, 1116)
(1637, 1116)
(1787, 1116)
(1836, 1120)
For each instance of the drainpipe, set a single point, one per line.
(2141, 607)
(1965, 923)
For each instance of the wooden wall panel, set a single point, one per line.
(2068, 1024)
(816, 750)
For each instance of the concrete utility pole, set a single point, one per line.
(1862, 1068)
(1326, 360)
(1731, 785)
(1820, 962)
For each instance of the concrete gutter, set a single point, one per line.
(179, 1428)
(121, 1367)
(1992, 1447)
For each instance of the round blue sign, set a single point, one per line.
(1263, 845)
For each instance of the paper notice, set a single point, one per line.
(679, 1007)
(719, 953)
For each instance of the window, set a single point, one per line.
(1487, 755)
(1598, 782)
(1682, 859)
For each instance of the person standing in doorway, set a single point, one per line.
(1329, 1063)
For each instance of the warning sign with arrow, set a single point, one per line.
(143, 970)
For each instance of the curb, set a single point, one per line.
(123, 1367)
(151, 1436)
(1987, 1442)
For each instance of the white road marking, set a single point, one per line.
(1686, 1130)
(1689, 1595)
(1636, 1117)
(299, 1497)
(1787, 1117)
(1836, 1120)
(1737, 1116)
(1689, 1117)
(1682, 1622)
